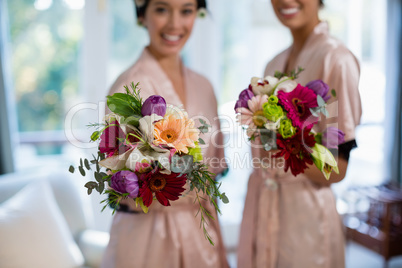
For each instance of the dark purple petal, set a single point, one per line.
(241, 103)
(154, 105)
(125, 182)
(246, 95)
(332, 137)
(320, 88)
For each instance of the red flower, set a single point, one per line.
(165, 187)
(112, 139)
(296, 150)
(298, 103)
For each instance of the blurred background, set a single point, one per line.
(59, 58)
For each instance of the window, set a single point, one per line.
(46, 38)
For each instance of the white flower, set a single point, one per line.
(135, 157)
(110, 117)
(149, 154)
(116, 162)
(285, 85)
(260, 87)
(147, 126)
(272, 125)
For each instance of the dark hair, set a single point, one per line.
(321, 2)
(140, 11)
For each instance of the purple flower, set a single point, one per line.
(125, 182)
(332, 137)
(244, 96)
(155, 104)
(320, 88)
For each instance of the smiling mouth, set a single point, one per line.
(289, 11)
(172, 38)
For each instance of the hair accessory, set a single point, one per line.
(139, 3)
(202, 12)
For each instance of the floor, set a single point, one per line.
(357, 256)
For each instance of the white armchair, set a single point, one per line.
(52, 205)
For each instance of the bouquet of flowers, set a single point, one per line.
(282, 113)
(150, 151)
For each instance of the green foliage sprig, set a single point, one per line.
(202, 181)
(100, 176)
(293, 74)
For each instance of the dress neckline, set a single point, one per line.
(163, 82)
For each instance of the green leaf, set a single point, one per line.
(98, 177)
(201, 141)
(101, 187)
(71, 169)
(224, 198)
(95, 135)
(81, 162)
(91, 185)
(333, 92)
(87, 164)
(203, 129)
(123, 104)
(82, 171)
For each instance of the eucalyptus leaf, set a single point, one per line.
(71, 169)
(224, 198)
(325, 112)
(203, 129)
(201, 141)
(82, 171)
(333, 92)
(202, 121)
(91, 185)
(320, 101)
(86, 163)
(101, 187)
(314, 112)
(98, 177)
(182, 164)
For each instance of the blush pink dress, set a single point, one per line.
(291, 222)
(169, 237)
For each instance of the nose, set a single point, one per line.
(174, 20)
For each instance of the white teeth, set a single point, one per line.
(172, 38)
(289, 11)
